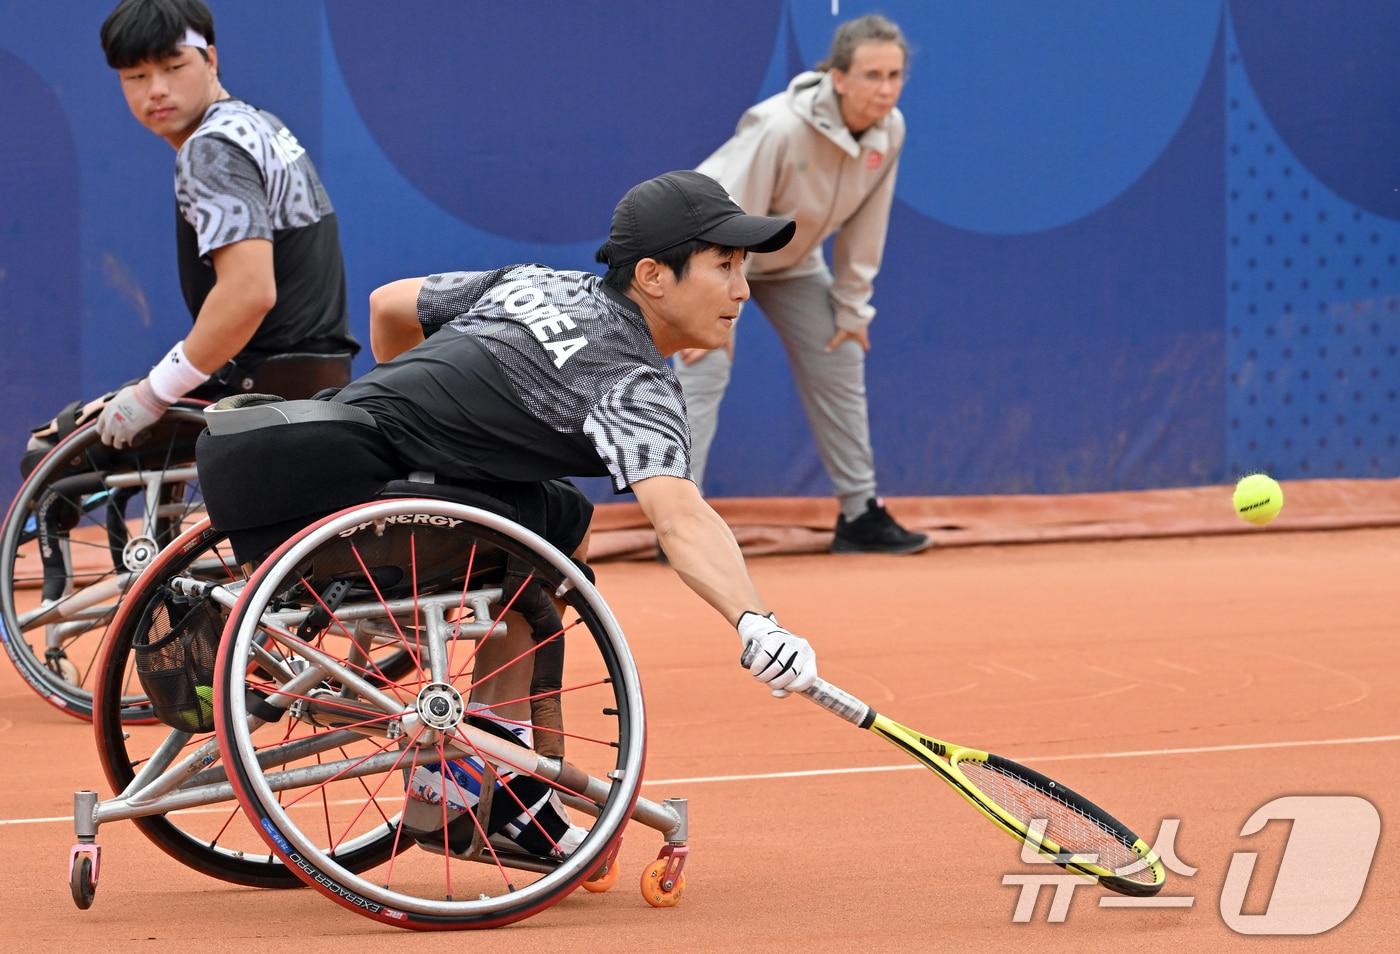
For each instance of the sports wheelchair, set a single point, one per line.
(375, 700)
(89, 518)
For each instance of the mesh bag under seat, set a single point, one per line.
(174, 652)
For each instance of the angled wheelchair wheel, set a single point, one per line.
(196, 573)
(84, 524)
(512, 750)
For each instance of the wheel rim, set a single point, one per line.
(426, 888)
(57, 656)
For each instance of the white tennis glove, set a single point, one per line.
(130, 411)
(781, 661)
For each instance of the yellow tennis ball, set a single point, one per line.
(1258, 498)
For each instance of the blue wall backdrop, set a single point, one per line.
(1134, 245)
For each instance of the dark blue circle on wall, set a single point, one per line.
(1025, 115)
(1325, 74)
(529, 120)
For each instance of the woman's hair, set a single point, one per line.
(867, 29)
(139, 30)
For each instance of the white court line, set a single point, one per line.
(1140, 753)
(868, 769)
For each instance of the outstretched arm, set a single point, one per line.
(701, 548)
(699, 545)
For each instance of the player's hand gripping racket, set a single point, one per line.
(1059, 823)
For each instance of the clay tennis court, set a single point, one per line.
(1164, 678)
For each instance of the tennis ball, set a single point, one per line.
(206, 699)
(1258, 498)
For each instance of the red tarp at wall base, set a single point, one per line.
(804, 524)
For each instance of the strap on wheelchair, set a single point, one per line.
(59, 510)
(293, 375)
(320, 617)
(526, 595)
(66, 421)
(523, 593)
(258, 706)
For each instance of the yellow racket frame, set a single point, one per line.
(932, 753)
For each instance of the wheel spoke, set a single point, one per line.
(369, 578)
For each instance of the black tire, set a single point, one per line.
(221, 844)
(81, 884)
(82, 513)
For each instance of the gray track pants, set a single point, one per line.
(831, 386)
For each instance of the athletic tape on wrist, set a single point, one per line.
(174, 376)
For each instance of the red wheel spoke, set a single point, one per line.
(326, 811)
(534, 820)
(233, 577)
(485, 838)
(333, 703)
(369, 657)
(413, 584)
(338, 775)
(373, 798)
(494, 623)
(224, 827)
(534, 648)
(444, 774)
(458, 735)
(418, 663)
(461, 608)
(545, 695)
(398, 833)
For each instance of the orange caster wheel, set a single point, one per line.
(653, 886)
(602, 881)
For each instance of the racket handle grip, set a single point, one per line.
(836, 700)
(831, 698)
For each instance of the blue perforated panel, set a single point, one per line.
(1313, 311)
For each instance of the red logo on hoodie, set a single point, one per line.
(873, 158)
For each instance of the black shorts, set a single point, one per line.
(264, 485)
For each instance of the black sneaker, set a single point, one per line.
(875, 531)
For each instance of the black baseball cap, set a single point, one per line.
(664, 212)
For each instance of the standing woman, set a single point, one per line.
(824, 153)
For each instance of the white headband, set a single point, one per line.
(193, 39)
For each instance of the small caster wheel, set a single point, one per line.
(654, 892)
(604, 878)
(81, 882)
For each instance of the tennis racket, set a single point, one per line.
(1056, 821)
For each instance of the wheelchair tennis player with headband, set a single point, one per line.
(261, 273)
(528, 375)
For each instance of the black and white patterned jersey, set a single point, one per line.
(589, 392)
(243, 175)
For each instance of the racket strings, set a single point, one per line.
(1067, 825)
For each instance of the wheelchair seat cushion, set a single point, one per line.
(250, 412)
(262, 485)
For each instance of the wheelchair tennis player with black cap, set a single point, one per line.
(516, 379)
(495, 387)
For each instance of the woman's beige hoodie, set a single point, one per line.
(793, 156)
